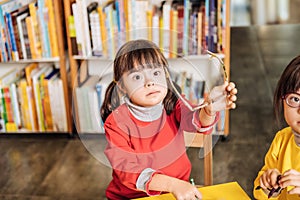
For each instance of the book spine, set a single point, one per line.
(35, 30)
(103, 30)
(46, 106)
(52, 28)
(43, 17)
(95, 33)
(15, 105)
(2, 113)
(72, 30)
(31, 37)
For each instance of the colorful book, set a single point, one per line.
(52, 28)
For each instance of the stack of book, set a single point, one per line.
(32, 100)
(27, 31)
(179, 28)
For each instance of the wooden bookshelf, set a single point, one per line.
(48, 57)
(89, 64)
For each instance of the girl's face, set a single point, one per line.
(292, 114)
(145, 87)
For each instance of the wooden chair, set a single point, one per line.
(205, 142)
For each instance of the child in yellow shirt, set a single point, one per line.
(279, 178)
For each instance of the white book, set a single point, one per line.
(55, 112)
(15, 104)
(62, 125)
(94, 111)
(95, 33)
(166, 28)
(141, 8)
(21, 34)
(83, 108)
(155, 29)
(78, 29)
(82, 9)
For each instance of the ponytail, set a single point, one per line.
(111, 101)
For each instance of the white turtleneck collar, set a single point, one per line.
(296, 137)
(146, 114)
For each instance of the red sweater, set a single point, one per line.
(135, 145)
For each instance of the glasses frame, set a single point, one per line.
(284, 97)
(186, 103)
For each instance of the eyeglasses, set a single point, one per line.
(203, 104)
(213, 55)
(292, 100)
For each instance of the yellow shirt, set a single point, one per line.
(283, 154)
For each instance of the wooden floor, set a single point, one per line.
(48, 168)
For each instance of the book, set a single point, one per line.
(226, 191)
(43, 20)
(42, 71)
(95, 33)
(103, 30)
(61, 122)
(28, 117)
(72, 32)
(101, 87)
(15, 105)
(166, 28)
(36, 38)
(57, 103)
(23, 35)
(83, 107)
(46, 105)
(52, 28)
(12, 39)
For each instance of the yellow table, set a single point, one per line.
(225, 191)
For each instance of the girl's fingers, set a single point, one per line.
(295, 190)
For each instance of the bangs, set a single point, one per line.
(293, 82)
(138, 54)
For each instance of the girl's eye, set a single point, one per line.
(157, 73)
(136, 76)
(296, 99)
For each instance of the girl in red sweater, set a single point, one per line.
(144, 122)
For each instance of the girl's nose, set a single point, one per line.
(149, 84)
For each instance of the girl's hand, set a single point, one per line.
(231, 95)
(268, 179)
(222, 97)
(183, 190)
(291, 178)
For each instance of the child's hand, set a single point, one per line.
(291, 178)
(222, 97)
(268, 179)
(184, 190)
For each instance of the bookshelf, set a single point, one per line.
(145, 23)
(38, 62)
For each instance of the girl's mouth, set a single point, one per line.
(151, 93)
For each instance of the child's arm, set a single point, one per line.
(179, 188)
(267, 176)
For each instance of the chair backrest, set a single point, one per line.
(205, 142)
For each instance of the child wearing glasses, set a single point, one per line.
(280, 175)
(144, 121)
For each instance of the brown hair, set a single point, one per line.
(134, 53)
(289, 82)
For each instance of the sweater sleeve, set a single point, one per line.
(271, 162)
(144, 179)
(190, 121)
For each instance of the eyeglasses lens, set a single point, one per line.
(293, 100)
